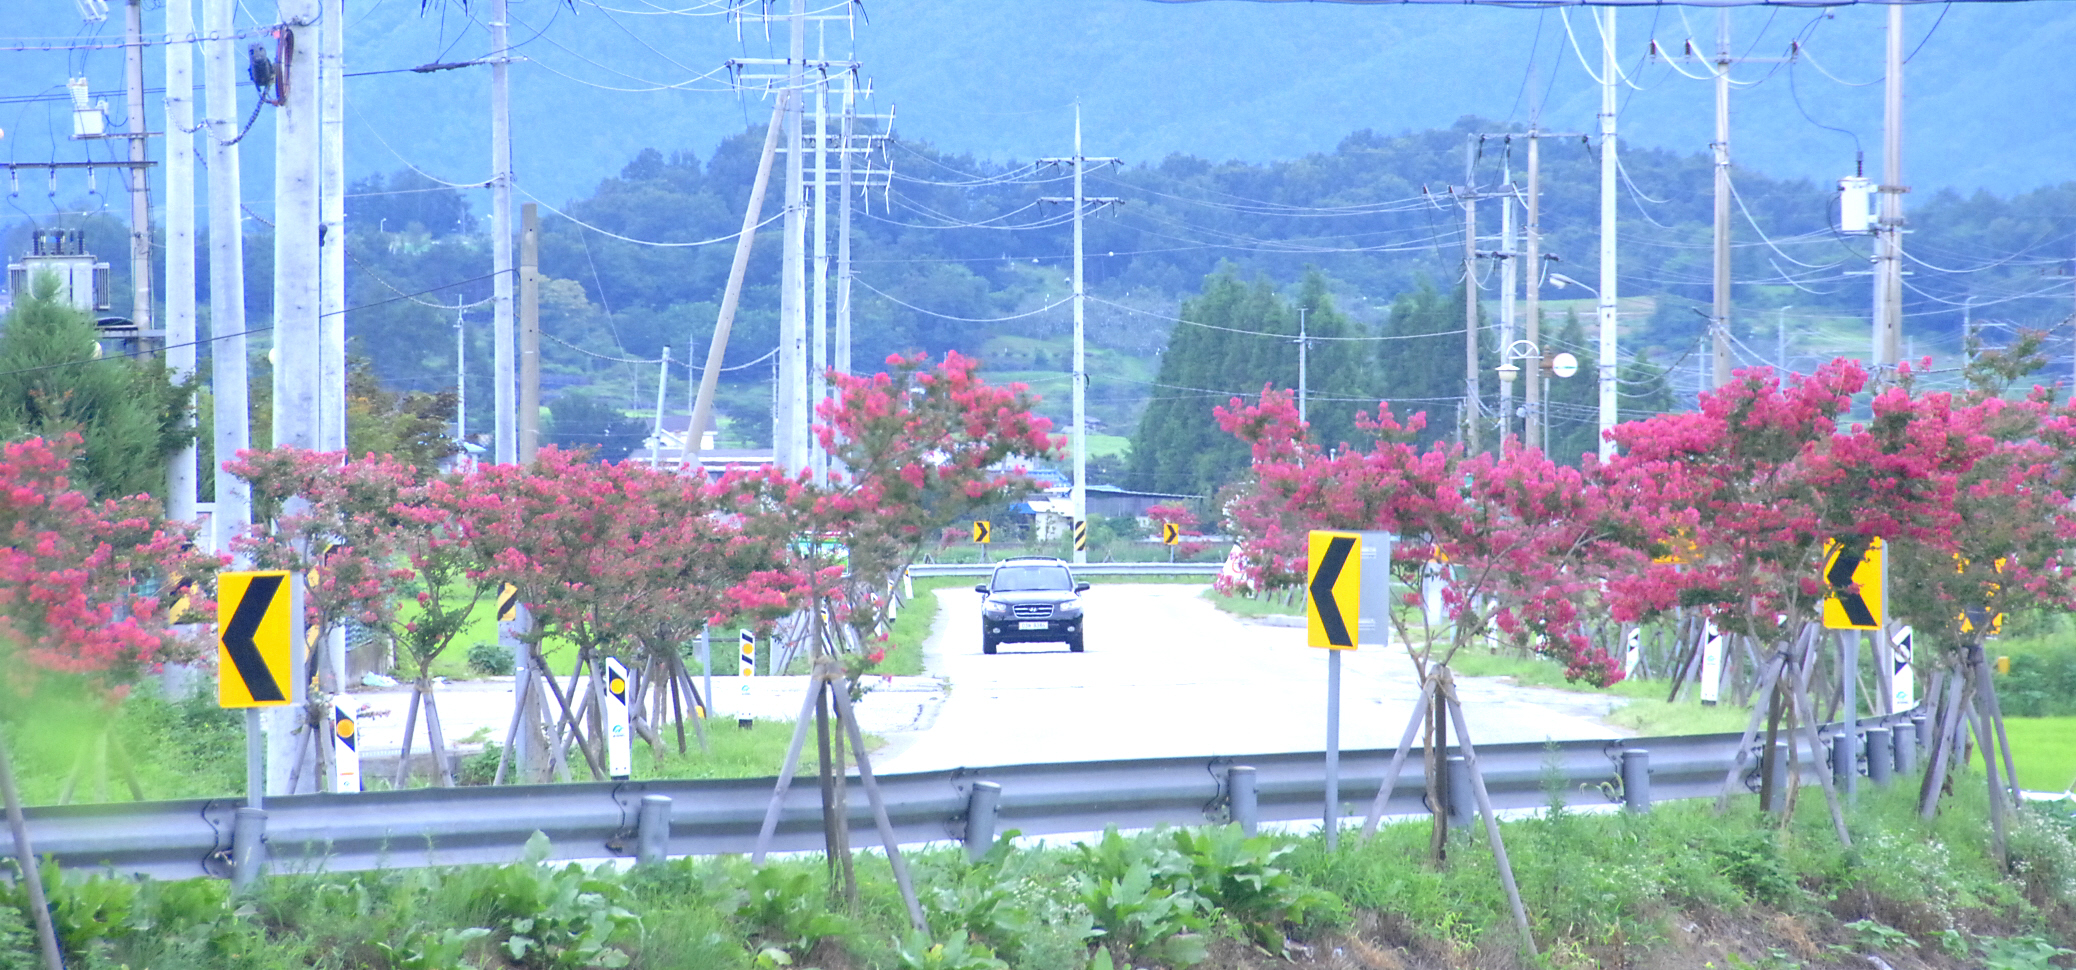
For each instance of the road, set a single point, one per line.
(1168, 674)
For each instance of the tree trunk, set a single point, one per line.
(435, 739)
(403, 761)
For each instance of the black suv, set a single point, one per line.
(1030, 599)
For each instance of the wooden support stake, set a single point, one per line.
(1447, 688)
(1398, 759)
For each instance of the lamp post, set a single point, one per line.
(1560, 365)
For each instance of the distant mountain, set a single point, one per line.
(606, 78)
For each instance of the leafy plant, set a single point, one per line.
(429, 950)
(2022, 953)
(917, 951)
(1239, 875)
(1140, 896)
(554, 917)
(783, 907)
(1873, 935)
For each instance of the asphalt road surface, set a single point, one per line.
(1167, 674)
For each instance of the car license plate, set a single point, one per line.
(1032, 625)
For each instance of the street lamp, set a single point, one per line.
(1560, 365)
(1560, 281)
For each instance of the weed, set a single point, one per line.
(1873, 935)
(1138, 892)
(783, 906)
(429, 950)
(917, 951)
(1239, 876)
(2022, 953)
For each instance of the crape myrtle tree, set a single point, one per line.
(912, 449)
(621, 560)
(87, 592)
(338, 523)
(1760, 483)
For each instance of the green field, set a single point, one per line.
(2044, 749)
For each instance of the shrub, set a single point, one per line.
(490, 660)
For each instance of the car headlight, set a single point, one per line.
(992, 608)
(1069, 607)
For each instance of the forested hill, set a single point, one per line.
(964, 255)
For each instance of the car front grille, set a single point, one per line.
(1034, 611)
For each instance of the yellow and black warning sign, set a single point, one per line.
(255, 647)
(1171, 534)
(1333, 590)
(1080, 535)
(983, 533)
(507, 603)
(1984, 616)
(1857, 575)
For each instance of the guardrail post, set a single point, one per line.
(652, 830)
(1636, 779)
(1462, 801)
(982, 805)
(248, 846)
(1242, 799)
(1781, 752)
(1845, 762)
(1879, 752)
(1904, 743)
(1923, 725)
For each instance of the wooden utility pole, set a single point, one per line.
(529, 331)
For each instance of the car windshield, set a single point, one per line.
(1017, 578)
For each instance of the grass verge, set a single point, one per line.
(2044, 749)
(1681, 886)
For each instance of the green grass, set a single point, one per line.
(2044, 749)
(1269, 605)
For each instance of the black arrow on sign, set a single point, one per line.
(1840, 576)
(237, 639)
(1338, 549)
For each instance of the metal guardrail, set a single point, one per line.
(454, 826)
(921, 570)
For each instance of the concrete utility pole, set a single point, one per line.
(507, 434)
(1719, 320)
(1304, 345)
(845, 186)
(331, 234)
(1079, 437)
(297, 269)
(297, 222)
(529, 331)
(818, 383)
(228, 381)
(717, 350)
(140, 174)
(1471, 415)
(1507, 256)
(180, 238)
(1532, 287)
(1609, 282)
(789, 424)
(1888, 266)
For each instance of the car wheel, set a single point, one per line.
(1074, 645)
(987, 644)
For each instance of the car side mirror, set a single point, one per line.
(1081, 587)
(981, 588)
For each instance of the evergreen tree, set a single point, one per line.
(1237, 337)
(1420, 363)
(127, 411)
(1574, 402)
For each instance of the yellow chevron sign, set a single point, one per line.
(1333, 590)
